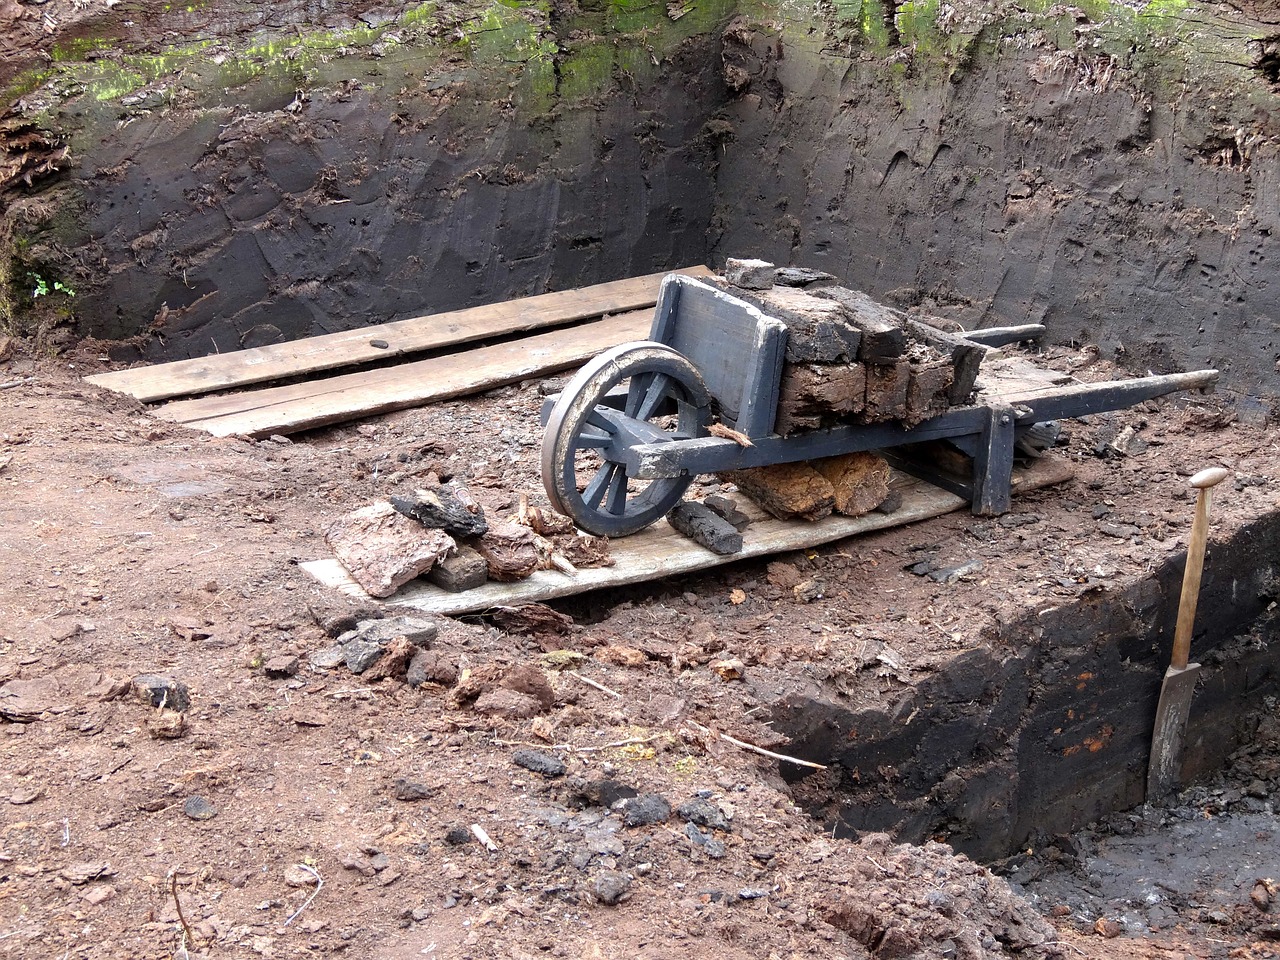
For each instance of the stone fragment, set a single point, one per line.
(508, 704)
(463, 569)
(704, 813)
(730, 668)
(749, 274)
(383, 549)
(432, 666)
(99, 894)
(82, 872)
(281, 666)
(299, 875)
(23, 701)
(645, 810)
(539, 761)
(599, 793)
(329, 657)
(360, 655)
(802, 277)
(198, 808)
(416, 630)
(410, 790)
(610, 886)
(157, 691)
(458, 836)
(166, 724)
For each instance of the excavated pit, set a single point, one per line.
(227, 198)
(1049, 727)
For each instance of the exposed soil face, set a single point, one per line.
(134, 547)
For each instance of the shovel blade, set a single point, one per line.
(1171, 731)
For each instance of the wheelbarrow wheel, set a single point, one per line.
(642, 389)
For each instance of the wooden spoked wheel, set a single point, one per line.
(641, 392)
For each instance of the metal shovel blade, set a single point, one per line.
(1171, 730)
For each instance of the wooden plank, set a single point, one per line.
(398, 338)
(316, 403)
(993, 466)
(661, 552)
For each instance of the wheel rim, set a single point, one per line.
(665, 399)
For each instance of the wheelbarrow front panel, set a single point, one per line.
(738, 350)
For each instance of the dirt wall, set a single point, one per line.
(1119, 197)
(1050, 726)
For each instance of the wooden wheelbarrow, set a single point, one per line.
(629, 433)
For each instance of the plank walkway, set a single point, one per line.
(316, 403)
(185, 378)
(659, 551)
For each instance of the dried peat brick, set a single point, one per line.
(443, 509)
(704, 526)
(540, 762)
(749, 274)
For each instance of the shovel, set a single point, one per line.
(1180, 679)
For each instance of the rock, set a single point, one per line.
(23, 701)
(1108, 928)
(198, 808)
(432, 666)
(329, 657)
(1261, 896)
(802, 277)
(610, 886)
(157, 691)
(458, 836)
(360, 655)
(749, 274)
(410, 790)
(704, 813)
(527, 680)
(539, 761)
(730, 669)
(166, 724)
(463, 569)
(298, 875)
(282, 666)
(84, 871)
(416, 630)
(383, 549)
(599, 793)
(508, 704)
(99, 894)
(645, 810)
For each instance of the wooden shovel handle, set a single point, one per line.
(1204, 482)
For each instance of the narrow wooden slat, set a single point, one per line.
(413, 335)
(315, 403)
(659, 551)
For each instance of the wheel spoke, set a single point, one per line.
(599, 484)
(654, 396)
(617, 500)
(636, 390)
(597, 419)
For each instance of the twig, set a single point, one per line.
(599, 686)
(485, 840)
(576, 749)
(10, 384)
(314, 893)
(187, 935)
(754, 749)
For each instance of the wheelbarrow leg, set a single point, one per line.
(993, 465)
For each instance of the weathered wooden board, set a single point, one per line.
(661, 552)
(316, 403)
(383, 341)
